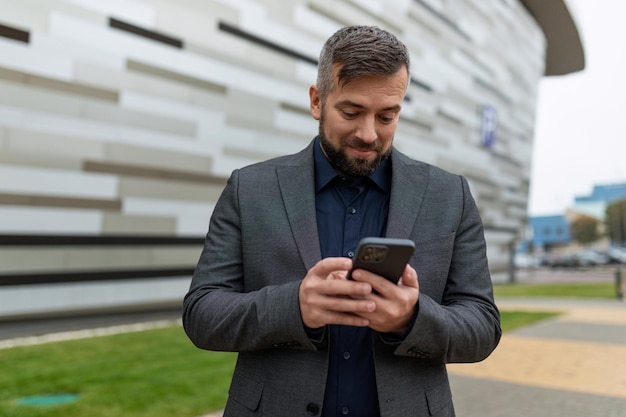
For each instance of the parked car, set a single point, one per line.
(591, 257)
(617, 255)
(525, 261)
(557, 260)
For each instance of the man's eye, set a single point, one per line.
(349, 115)
(386, 119)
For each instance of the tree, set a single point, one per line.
(584, 230)
(616, 221)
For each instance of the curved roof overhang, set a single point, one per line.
(565, 53)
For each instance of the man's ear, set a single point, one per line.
(316, 102)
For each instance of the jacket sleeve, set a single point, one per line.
(457, 319)
(222, 311)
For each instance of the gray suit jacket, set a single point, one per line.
(262, 240)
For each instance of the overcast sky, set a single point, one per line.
(580, 136)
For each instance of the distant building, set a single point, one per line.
(550, 231)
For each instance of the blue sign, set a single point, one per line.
(489, 125)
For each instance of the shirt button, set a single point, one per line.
(345, 411)
(350, 254)
(352, 210)
(346, 355)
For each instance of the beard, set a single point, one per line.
(350, 165)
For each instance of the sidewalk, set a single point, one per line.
(571, 366)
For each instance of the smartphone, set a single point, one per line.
(383, 256)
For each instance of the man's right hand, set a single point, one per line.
(327, 297)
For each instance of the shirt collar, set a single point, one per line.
(325, 173)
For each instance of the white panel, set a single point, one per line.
(35, 220)
(133, 11)
(34, 299)
(22, 57)
(42, 181)
(306, 73)
(281, 35)
(92, 130)
(249, 7)
(313, 22)
(180, 61)
(174, 109)
(296, 123)
(72, 51)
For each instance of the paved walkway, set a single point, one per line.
(570, 366)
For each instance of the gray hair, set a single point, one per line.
(359, 51)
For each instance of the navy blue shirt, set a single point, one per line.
(347, 210)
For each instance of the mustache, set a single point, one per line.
(362, 145)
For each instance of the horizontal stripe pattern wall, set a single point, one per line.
(120, 122)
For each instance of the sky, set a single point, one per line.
(580, 130)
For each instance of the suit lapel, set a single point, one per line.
(297, 186)
(408, 187)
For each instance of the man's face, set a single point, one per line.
(358, 121)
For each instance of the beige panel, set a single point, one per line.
(31, 98)
(248, 110)
(157, 158)
(72, 258)
(4, 135)
(52, 146)
(39, 160)
(105, 77)
(72, 88)
(168, 190)
(115, 223)
(249, 154)
(13, 76)
(46, 201)
(207, 99)
(164, 88)
(162, 174)
(57, 85)
(176, 256)
(29, 259)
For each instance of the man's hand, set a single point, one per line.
(327, 297)
(395, 304)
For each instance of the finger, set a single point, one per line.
(409, 277)
(329, 265)
(379, 284)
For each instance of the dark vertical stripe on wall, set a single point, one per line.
(149, 34)
(15, 34)
(225, 27)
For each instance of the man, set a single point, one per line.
(271, 281)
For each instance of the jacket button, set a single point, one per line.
(312, 409)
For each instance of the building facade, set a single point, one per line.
(549, 232)
(120, 122)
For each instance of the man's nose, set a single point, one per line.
(367, 129)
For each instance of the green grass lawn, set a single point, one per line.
(604, 290)
(153, 373)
